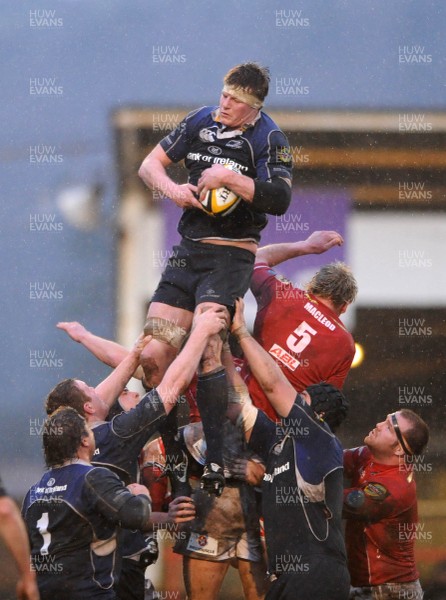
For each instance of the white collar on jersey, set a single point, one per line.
(224, 133)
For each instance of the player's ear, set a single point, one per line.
(399, 451)
(88, 408)
(343, 308)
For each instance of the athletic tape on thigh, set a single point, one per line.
(164, 330)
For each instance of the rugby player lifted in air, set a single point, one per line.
(237, 146)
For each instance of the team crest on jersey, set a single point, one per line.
(206, 135)
(376, 491)
(283, 154)
(215, 150)
(236, 144)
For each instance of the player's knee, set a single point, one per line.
(161, 351)
(155, 364)
(165, 331)
(153, 373)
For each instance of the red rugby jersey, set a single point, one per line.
(307, 339)
(381, 530)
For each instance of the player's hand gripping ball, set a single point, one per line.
(220, 202)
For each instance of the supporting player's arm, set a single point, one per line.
(241, 410)
(130, 507)
(317, 243)
(153, 173)
(181, 509)
(179, 374)
(13, 533)
(114, 384)
(277, 388)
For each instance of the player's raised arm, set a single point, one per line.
(109, 389)
(317, 243)
(153, 173)
(277, 388)
(109, 352)
(179, 375)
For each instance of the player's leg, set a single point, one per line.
(168, 325)
(250, 560)
(169, 316)
(157, 467)
(227, 277)
(177, 460)
(253, 578)
(212, 402)
(153, 474)
(203, 578)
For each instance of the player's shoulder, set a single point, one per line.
(200, 115)
(99, 477)
(102, 430)
(269, 132)
(361, 454)
(262, 272)
(267, 122)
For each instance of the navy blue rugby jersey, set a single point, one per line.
(261, 152)
(302, 489)
(120, 441)
(72, 515)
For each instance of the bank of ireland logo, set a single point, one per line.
(51, 482)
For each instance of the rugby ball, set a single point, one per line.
(220, 202)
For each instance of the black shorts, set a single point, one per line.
(200, 272)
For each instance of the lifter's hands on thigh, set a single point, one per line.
(140, 343)
(213, 317)
(238, 327)
(181, 509)
(251, 471)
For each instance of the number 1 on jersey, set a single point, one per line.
(42, 525)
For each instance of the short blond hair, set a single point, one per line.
(334, 282)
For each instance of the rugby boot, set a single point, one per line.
(213, 479)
